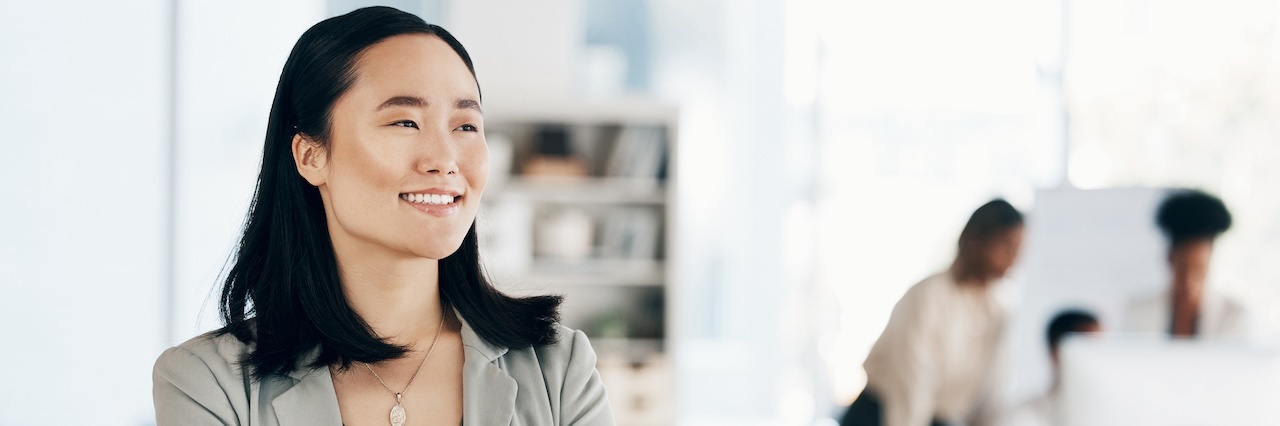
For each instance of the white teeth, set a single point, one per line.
(427, 198)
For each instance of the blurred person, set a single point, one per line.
(1042, 410)
(935, 361)
(1191, 221)
(358, 270)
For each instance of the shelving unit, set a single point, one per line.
(579, 203)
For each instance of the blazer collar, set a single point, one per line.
(311, 400)
(488, 392)
(471, 340)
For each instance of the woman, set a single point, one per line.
(934, 363)
(1191, 221)
(356, 296)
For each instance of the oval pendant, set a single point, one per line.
(397, 415)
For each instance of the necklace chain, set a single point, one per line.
(415, 373)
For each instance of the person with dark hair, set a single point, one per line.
(1191, 221)
(935, 362)
(1042, 410)
(358, 271)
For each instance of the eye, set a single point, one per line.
(405, 123)
(468, 128)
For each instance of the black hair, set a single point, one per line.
(1067, 322)
(1189, 214)
(282, 292)
(985, 224)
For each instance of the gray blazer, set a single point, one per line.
(200, 383)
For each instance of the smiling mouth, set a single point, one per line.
(430, 199)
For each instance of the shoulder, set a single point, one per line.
(938, 282)
(568, 374)
(199, 377)
(1147, 312)
(1149, 300)
(217, 353)
(572, 347)
(932, 287)
(1229, 316)
(572, 350)
(1226, 302)
(567, 363)
(206, 359)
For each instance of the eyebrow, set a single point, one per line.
(417, 102)
(467, 103)
(403, 101)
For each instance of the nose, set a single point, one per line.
(437, 155)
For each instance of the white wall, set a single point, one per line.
(83, 111)
(525, 53)
(229, 61)
(93, 281)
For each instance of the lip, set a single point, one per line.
(438, 210)
(435, 191)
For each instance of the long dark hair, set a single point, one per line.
(988, 222)
(282, 293)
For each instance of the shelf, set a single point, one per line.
(638, 348)
(594, 272)
(614, 211)
(584, 111)
(582, 190)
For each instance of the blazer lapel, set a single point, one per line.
(311, 400)
(488, 392)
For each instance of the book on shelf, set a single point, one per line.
(632, 233)
(639, 153)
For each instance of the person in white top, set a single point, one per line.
(1043, 410)
(1191, 220)
(935, 361)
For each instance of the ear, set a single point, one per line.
(311, 160)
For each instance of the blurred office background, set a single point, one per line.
(817, 158)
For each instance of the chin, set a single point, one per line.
(437, 253)
(439, 250)
(436, 242)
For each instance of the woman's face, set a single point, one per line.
(1003, 250)
(406, 160)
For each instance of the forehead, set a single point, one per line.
(417, 64)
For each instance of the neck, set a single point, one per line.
(1186, 298)
(1187, 290)
(969, 275)
(398, 296)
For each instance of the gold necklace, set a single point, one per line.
(397, 412)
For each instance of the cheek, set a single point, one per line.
(1002, 255)
(361, 178)
(475, 160)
